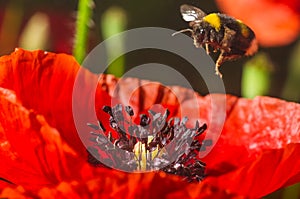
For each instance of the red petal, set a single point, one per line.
(261, 139)
(107, 183)
(264, 123)
(270, 171)
(32, 153)
(44, 82)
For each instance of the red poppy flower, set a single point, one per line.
(275, 23)
(42, 155)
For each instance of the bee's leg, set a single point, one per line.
(219, 62)
(207, 48)
(196, 43)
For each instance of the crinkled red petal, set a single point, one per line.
(44, 82)
(32, 153)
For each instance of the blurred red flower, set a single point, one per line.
(275, 23)
(42, 155)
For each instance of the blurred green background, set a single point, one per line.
(50, 25)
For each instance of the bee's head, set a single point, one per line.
(199, 33)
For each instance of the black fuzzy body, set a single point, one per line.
(232, 36)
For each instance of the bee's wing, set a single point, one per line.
(191, 13)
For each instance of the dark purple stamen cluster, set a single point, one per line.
(167, 144)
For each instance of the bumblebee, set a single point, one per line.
(219, 32)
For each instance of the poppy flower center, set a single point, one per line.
(157, 143)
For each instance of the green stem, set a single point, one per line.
(82, 28)
(256, 76)
(114, 21)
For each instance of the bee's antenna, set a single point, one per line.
(181, 31)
